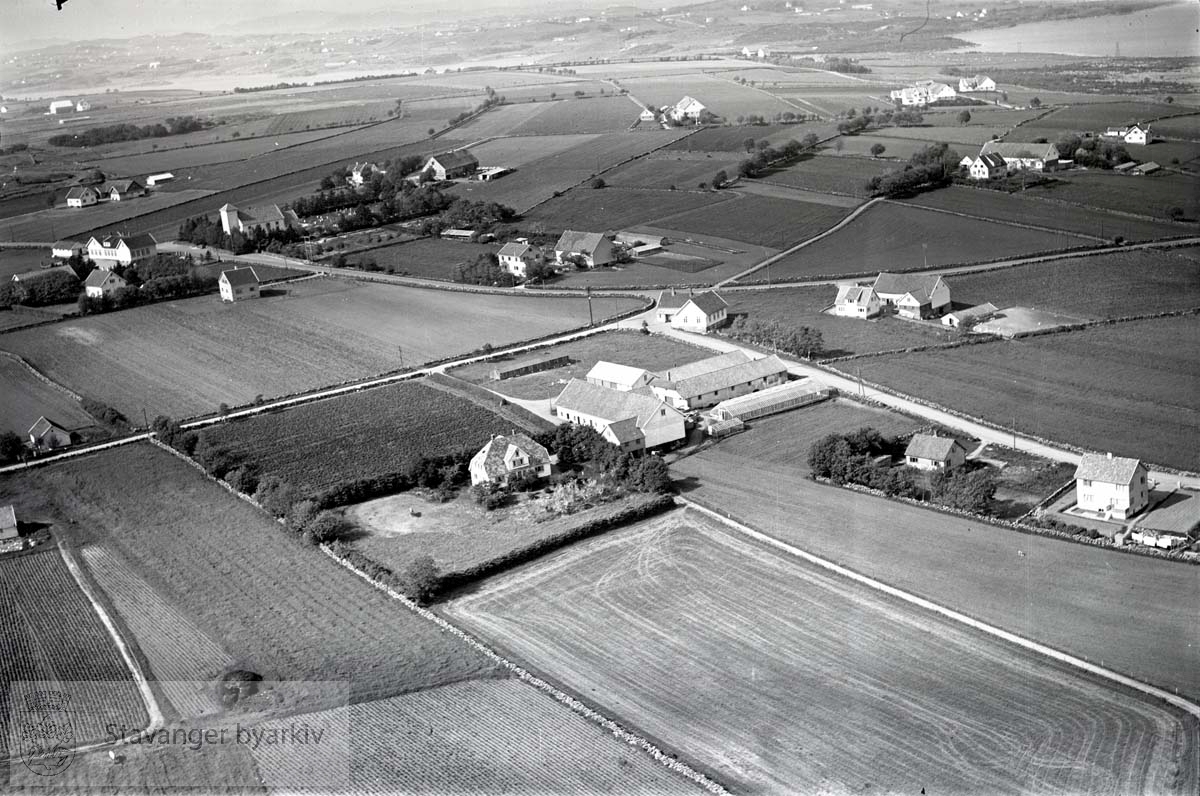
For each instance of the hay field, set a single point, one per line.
(593, 115)
(24, 398)
(722, 97)
(183, 358)
(839, 175)
(613, 208)
(665, 170)
(780, 677)
(758, 220)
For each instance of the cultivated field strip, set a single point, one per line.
(53, 637)
(485, 736)
(179, 653)
(782, 677)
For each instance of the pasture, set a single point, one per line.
(1126, 388)
(1153, 195)
(665, 169)
(802, 306)
(896, 237)
(434, 258)
(18, 261)
(62, 221)
(722, 97)
(1085, 595)
(652, 352)
(573, 116)
(484, 736)
(184, 358)
(281, 608)
(364, 434)
(1186, 128)
(1095, 118)
(1118, 285)
(706, 640)
(24, 398)
(1027, 209)
(844, 175)
(860, 146)
(733, 138)
(758, 220)
(613, 208)
(52, 638)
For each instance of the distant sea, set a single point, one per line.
(1164, 31)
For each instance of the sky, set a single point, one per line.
(31, 22)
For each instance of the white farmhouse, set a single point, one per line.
(506, 456)
(687, 109)
(60, 106)
(931, 452)
(977, 83)
(515, 258)
(237, 284)
(988, 167)
(700, 313)
(1017, 156)
(113, 250)
(101, 283)
(855, 301)
(1113, 486)
(913, 295)
(1133, 134)
(82, 196)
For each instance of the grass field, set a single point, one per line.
(1095, 118)
(17, 261)
(897, 237)
(1153, 195)
(779, 677)
(24, 398)
(652, 352)
(733, 139)
(53, 639)
(282, 609)
(1083, 595)
(801, 306)
(478, 737)
(759, 220)
(837, 175)
(1027, 210)
(1183, 127)
(593, 115)
(360, 435)
(860, 146)
(1118, 285)
(665, 169)
(62, 222)
(1126, 388)
(722, 97)
(428, 257)
(613, 208)
(186, 357)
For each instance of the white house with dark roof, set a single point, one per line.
(688, 108)
(856, 301)
(45, 434)
(112, 250)
(710, 381)
(101, 283)
(632, 420)
(976, 83)
(8, 523)
(931, 452)
(618, 377)
(700, 313)
(505, 456)
(82, 196)
(969, 315)
(515, 258)
(1017, 156)
(269, 218)
(1112, 486)
(361, 172)
(66, 249)
(451, 165)
(117, 190)
(594, 247)
(1130, 134)
(913, 295)
(988, 166)
(238, 284)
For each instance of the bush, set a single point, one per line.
(420, 580)
(275, 495)
(105, 413)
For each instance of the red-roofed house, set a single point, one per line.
(508, 455)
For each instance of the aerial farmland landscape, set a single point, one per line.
(528, 397)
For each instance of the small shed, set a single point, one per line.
(931, 452)
(8, 523)
(45, 434)
(159, 179)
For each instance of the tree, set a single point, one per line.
(11, 447)
(420, 580)
(651, 475)
(964, 117)
(877, 150)
(598, 182)
(1036, 102)
(966, 490)
(1175, 213)
(719, 179)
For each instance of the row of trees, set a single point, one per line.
(803, 341)
(767, 156)
(113, 133)
(205, 231)
(932, 167)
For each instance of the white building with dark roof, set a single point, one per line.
(700, 313)
(509, 455)
(931, 452)
(632, 420)
(969, 315)
(451, 165)
(268, 218)
(101, 283)
(516, 258)
(711, 381)
(976, 83)
(1113, 486)
(238, 284)
(112, 250)
(618, 377)
(593, 247)
(856, 301)
(988, 166)
(82, 196)
(66, 249)
(45, 434)
(1018, 156)
(913, 295)
(687, 109)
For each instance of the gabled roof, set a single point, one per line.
(708, 302)
(359, 168)
(79, 190)
(495, 451)
(43, 425)
(672, 300)
(730, 376)
(261, 214)
(708, 365)
(32, 275)
(453, 160)
(625, 430)
(98, 277)
(855, 294)
(578, 242)
(928, 446)
(66, 244)
(8, 517)
(240, 277)
(921, 286)
(1107, 468)
(617, 374)
(122, 186)
(978, 311)
(992, 160)
(514, 250)
(141, 240)
(1018, 150)
(688, 102)
(607, 404)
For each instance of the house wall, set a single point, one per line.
(708, 399)
(663, 427)
(692, 319)
(1120, 500)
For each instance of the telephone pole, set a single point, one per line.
(591, 320)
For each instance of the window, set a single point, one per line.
(662, 412)
(1087, 482)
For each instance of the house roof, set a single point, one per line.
(992, 160)
(514, 250)
(672, 300)
(8, 517)
(1107, 468)
(708, 365)
(854, 294)
(122, 186)
(79, 190)
(496, 449)
(928, 446)
(728, 376)
(239, 277)
(30, 275)
(582, 242)
(44, 425)
(626, 430)
(618, 374)
(359, 168)
(607, 404)
(66, 244)
(456, 159)
(921, 286)
(689, 102)
(261, 214)
(708, 302)
(978, 311)
(141, 240)
(99, 276)
(1018, 150)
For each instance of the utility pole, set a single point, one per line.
(1014, 430)
(145, 418)
(925, 254)
(591, 320)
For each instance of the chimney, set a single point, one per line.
(1110, 454)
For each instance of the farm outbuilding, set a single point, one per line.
(931, 452)
(451, 165)
(772, 400)
(8, 522)
(45, 434)
(513, 371)
(618, 377)
(159, 179)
